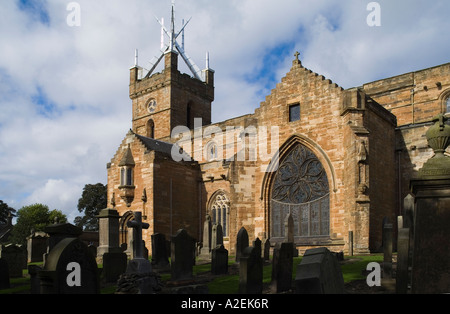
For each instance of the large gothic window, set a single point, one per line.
(219, 211)
(301, 188)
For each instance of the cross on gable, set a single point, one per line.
(138, 225)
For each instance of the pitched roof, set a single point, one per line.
(160, 146)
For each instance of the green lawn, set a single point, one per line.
(227, 284)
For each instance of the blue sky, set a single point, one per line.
(64, 90)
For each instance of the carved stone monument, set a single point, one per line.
(431, 234)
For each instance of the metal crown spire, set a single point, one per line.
(173, 45)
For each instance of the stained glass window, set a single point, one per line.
(301, 188)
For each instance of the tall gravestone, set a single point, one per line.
(205, 251)
(289, 233)
(36, 246)
(15, 256)
(139, 277)
(241, 243)
(431, 190)
(182, 256)
(69, 269)
(160, 257)
(109, 253)
(217, 236)
(219, 260)
(282, 264)
(251, 269)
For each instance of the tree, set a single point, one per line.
(34, 217)
(5, 210)
(92, 201)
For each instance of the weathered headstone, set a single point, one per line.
(282, 263)
(160, 257)
(289, 233)
(58, 232)
(139, 277)
(139, 264)
(36, 246)
(182, 256)
(217, 236)
(431, 190)
(402, 274)
(241, 243)
(4, 274)
(69, 269)
(108, 222)
(15, 256)
(219, 260)
(251, 269)
(319, 273)
(207, 234)
(114, 265)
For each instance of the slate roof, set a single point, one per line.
(159, 146)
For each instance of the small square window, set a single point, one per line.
(294, 112)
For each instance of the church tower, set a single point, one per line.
(162, 101)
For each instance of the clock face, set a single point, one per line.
(151, 107)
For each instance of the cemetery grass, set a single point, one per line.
(353, 270)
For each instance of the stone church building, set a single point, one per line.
(337, 160)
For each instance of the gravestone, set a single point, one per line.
(431, 190)
(69, 269)
(289, 233)
(251, 269)
(4, 275)
(58, 232)
(219, 260)
(109, 253)
(160, 257)
(139, 264)
(139, 277)
(319, 273)
(402, 273)
(15, 256)
(217, 236)
(206, 245)
(108, 223)
(282, 263)
(241, 243)
(36, 246)
(182, 256)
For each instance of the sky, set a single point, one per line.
(64, 70)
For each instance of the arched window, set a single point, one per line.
(211, 151)
(219, 211)
(300, 187)
(447, 105)
(150, 128)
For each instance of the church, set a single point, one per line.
(338, 161)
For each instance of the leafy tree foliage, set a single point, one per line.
(5, 210)
(92, 201)
(34, 217)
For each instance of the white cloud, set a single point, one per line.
(64, 90)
